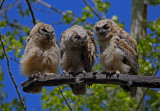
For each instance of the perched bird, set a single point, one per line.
(41, 52)
(78, 51)
(118, 50)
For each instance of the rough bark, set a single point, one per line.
(90, 78)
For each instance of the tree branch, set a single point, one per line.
(49, 6)
(51, 79)
(2, 3)
(59, 11)
(32, 14)
(10, 6)
(14, 59)
(16, 25)
(99, 17)
(141, 100)
(64, 98)
(11, 76)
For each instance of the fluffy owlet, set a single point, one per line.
(78, 51)
(41, 52)
(118, 50)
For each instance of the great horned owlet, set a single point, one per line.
(41, 52)
(77, 53)
(118, 50)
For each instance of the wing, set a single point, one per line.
(128, 39)
(63, 42)
(62, 45)
(90, 53)
(130, 58)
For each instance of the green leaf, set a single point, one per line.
(3, 24)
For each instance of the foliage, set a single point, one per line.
(154, 2)
(150, 63)
(98, 97)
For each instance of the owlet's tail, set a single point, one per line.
(79, 89)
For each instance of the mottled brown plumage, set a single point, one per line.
(41, 52)
(118, 50)
(78, 51)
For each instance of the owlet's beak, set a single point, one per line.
(101, 31)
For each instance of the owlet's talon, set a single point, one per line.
(66, 73)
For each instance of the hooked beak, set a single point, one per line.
(50, 34)
(101, 32)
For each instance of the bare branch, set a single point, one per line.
(58, 11)
(99, 17)
(2, 3)
(10, 6)
(13, 59)
(49, 6)
(30, 9)
(16, 25)
(64, 98)
(42, 10)
(58, 23)
(11, 76)
(51, 79)
(141, 100)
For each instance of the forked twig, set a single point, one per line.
(99, 17)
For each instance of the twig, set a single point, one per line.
(42, 10)
(16, 25)
(30, 9)
(49, 6)
(11, 76)
(99, 17)
(64, 98)
(58, 23)
(15, 60)
(2, 3)
(140, 102)
(58, 11)
(10, 6)
(144, 94)
(53, 79)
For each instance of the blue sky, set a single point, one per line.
(121, 8)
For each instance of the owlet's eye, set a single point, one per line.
(78, 37)
(97, 28)
(106, 26)
(44, 30)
